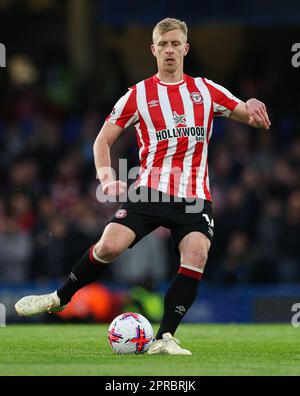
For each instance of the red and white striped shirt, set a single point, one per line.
(173, 124)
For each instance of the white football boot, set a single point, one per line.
(168, 345)
(32, 305)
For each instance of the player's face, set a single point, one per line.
(169, 49)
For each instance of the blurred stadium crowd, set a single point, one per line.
(49, 214)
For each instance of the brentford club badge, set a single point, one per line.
(121, 213)
(196, 97)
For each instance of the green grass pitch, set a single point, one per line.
(217, 350)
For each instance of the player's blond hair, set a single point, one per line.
(167, 25)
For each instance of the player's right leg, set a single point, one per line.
(114, 240)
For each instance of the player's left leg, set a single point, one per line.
(182, 292)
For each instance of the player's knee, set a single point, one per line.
(199, 258)
(195, 257)
(107, 249)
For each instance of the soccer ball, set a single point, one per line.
(130, 333)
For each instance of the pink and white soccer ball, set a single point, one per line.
(130, 333)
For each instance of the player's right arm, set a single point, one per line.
(122, 116)
(105, 139)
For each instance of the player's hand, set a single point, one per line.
(114, 188)
(257, 113)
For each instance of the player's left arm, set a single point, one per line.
(252, 113)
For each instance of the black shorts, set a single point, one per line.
(180, 217)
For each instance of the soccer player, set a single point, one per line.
(173, 117)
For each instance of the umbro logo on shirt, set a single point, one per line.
(153, 103)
